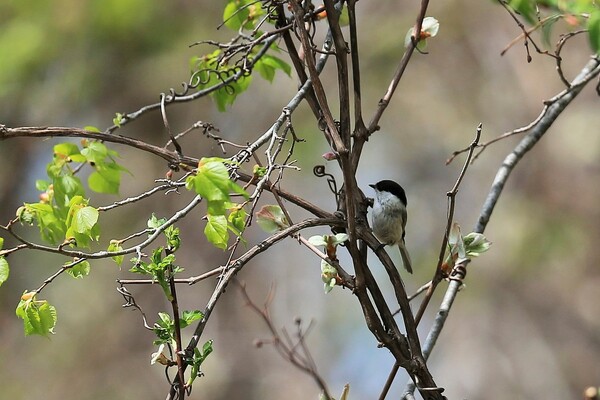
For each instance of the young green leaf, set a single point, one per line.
(173, 239)
(118, 119)
(237, 218)
(91, 128)
(95, 152)
(155, 223)
(106, 178)
(226, 96)
(594, 30)
(42, 185)
(65, 188)
(235, 14)
(39, 317)
(212, 180)
(79, 270)
(197, 360)
(525, 8)
(66, 149)
(84, 219)
(328, 276)
(115, 245)
(188, 317)
(216, 231)
(4, 270)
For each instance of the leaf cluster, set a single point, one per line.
(62, 214)
(213, 184)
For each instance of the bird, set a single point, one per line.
(389, 216)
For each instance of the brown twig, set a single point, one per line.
(296, 353)
(439, 275)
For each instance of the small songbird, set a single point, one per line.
(388, 217)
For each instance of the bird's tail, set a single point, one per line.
(405, 257)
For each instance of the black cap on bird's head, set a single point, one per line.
(392, 187)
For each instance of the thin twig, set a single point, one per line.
(438, 275)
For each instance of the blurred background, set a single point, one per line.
(526, 325)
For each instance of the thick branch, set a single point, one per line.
(44, 132)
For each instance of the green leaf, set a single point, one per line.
(84, 219)
(65, 188)
(241, 13)
(118, 119)
(79, 270)
(344, 17)
(328, 275)
(237, 218)
(594, 30)
(91, 128)
(277, 63)
(234, 16)
(218, 207)
(1, 242)
(226, 96)
(106, 178)
(155, 223)
(39, 317)
(52, 229)
(216, 231)
(475, 244)
(207, 348)
(526, 8)
(190, 316)
(267, 65)
(66, 149)
(266, 71)
(95, 152)
(212, 180)
(4, 270)
(115, 245)
(173, 239)
(41, 185)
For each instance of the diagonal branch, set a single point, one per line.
(561, 101)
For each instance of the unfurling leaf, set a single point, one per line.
(115, 245)
(429, 28)
(271, 219)
(475, 244)
(328, 275)
(39, 317)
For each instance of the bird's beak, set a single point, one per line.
(372, 185)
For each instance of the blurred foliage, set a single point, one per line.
(581, 14)
(73, 41)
